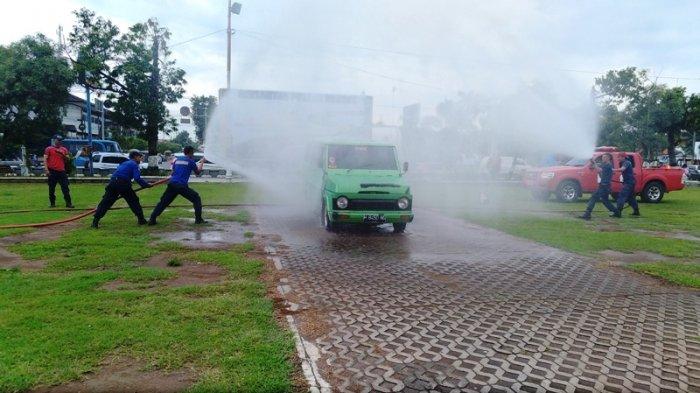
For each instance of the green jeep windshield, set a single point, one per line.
(361, 157)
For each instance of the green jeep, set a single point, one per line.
(363, 184)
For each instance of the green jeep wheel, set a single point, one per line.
(325, 220)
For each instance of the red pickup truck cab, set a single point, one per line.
(570, 181)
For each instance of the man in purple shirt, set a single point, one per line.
(178, 185)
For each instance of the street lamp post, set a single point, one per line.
(88, 115)
(234, 8)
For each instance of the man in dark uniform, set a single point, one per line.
(178, 185)
(55, 168)
(627, 193)
(605, 171)
(120, 185)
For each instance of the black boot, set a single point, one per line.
(142, 221)
(52, 205)
(636, 213)
(70, 206)
(616, 214)
(95, 223)
(152, 222)
(585, 216)
(200, 221)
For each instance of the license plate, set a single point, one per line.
(374, 218)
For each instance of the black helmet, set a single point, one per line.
(134, 153)
(58, 137)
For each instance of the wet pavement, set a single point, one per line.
(449, 306)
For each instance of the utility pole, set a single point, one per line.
(88, 115)
(228, 47)
(102, 120)
(234, 8)
(154, 116)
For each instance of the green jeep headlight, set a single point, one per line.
(342, 202)
(403, 203)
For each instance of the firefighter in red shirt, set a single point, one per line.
(55, 168)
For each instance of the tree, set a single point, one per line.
(647, 108)
(169, 146)
(133, 69)
(131, 142)
(183, 139)
(202, 109)
(34, 86)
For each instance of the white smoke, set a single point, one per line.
(499, 54)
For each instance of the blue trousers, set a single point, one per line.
(171, 193)
(627, 195)
(602, 194)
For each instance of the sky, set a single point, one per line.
(401, 52)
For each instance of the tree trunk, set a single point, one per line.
(152, 137)
(154, 119)
(671, 138)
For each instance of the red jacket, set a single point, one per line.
(55, 158)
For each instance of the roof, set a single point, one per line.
(358, 143)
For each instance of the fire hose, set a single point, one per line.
(70, 219)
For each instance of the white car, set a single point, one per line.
(209, 168)
(106, 163)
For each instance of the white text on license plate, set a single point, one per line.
(374, 218)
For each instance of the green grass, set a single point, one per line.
(33, 196)
(687, 274)
(58, 323)
(586, 237)
(512, 210)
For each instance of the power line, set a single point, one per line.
(197, 38)
(351, 67)
(252, 33)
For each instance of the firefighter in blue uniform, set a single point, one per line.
(178, 185)
(120, 185)
(605, 171)
(627, 194)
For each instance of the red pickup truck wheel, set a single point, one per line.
(653, 192)
(568, 191)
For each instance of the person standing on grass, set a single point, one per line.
(120, 185)
(602, 194)
(627, 193)
(55, 157)
(178, 185)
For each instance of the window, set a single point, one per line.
(577, 162)
(113, 159)
(361, 157)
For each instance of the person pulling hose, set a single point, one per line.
(120, 185)
(178, 185)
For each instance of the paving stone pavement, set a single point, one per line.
(450, 307)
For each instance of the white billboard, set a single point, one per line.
(268, 112)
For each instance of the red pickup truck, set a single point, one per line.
(570, 181)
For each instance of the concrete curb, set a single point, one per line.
(308, 353)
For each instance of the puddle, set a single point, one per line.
(126, 375)
(214, 235)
